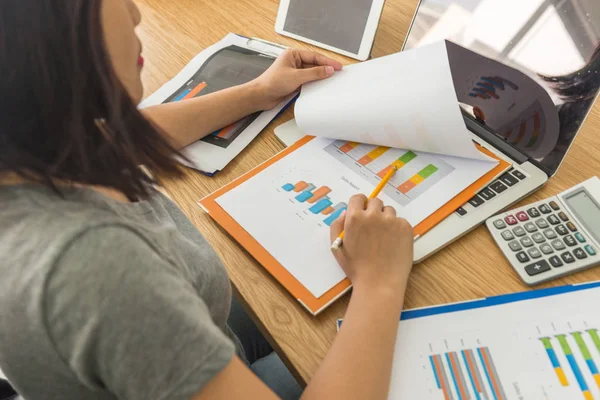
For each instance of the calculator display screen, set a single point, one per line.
(586, 210)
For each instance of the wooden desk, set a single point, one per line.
(174, 31)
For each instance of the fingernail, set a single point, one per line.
(329, 70)
(343, 214)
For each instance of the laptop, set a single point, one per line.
(557, 45)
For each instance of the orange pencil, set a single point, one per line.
(337, 243)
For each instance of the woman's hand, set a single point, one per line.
(378, 247)
(292, 69)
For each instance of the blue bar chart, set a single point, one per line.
(317, 200)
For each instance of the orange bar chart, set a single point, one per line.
(373, 155)
(319, 193)
(195, 91)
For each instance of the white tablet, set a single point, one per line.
(347, 27)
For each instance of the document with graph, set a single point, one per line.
(282, 210)
(537, 345)
(232, 61)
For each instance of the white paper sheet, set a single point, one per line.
(294, 230)
(405, 100)
(512, 334)
(205, 156)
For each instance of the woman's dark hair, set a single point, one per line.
(63, 112)
(580, 85)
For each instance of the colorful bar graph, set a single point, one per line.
(585, 352)
(348, 146)
(319, 193)
(200, 87)
(320, 206)
(372, 155)
(399, 163)
(333, 216)
(474, 375)
(440, 376)
(560, 373)
(491, 373)
(564, 344)
(457, 376)
(288, 187)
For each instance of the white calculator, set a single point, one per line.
(553, 237)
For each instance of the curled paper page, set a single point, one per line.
(405, 100)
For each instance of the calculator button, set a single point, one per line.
(579, 253)
(499, 224)
(461, 211)
(487, 193)
(534, 252)
(508, 179)
(538, 237)
(498, 187)
(514, 245)
(567, 257)
(519, 231)
(526, 242)
(563, 216)
(530, 227)
(555, 261)
(533, 212)
(510, 219)
(544, 209)
(542, 223)
(549, 233)
(579, 237)
(519, 174)
(537, 268)
(507, 235)
(558, 244)
(476, 201)
(591, 251)
(553, 220)
(522, 216)
(546, 248)
(561, 230)
(522, 256)
(554, 205)
(569, 240)
(571, 227)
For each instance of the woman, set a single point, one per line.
(107, 290)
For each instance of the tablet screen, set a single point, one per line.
(337, 23)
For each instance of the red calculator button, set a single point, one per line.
(522, 216)
(511, 220)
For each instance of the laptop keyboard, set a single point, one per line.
(507, 180)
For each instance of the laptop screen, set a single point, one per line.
(528, 70)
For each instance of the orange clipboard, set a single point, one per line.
(317, 304)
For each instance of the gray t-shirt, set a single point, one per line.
(106, 300)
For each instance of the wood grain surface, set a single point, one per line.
(173, 32)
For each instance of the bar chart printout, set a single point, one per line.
(416, 172)
(467, 374)
(317, 200)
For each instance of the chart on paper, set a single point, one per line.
(417, 172)
(549, 360)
